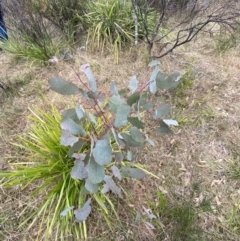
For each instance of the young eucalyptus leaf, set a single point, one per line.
(80, 112)
(153, 63)
(92, 118)
(113, 89)
(133, 98)
(170, 122)
(163, 129)
(111, 186)
(96, 172)
(62, 86)
(102, 152)
(136, 122)
(116, 172)
(79, 156)
(150, 141)
(73, 127)
(148, 106)
(175, 77)
(71, 114)
(65, 211)
(153, 85)
(82, 214)
(91, 79)
(76, 147)
(105, 189)
(79, 171)
(161, 111)
(132, 172)
(136, 134)
(130, 141)
(143, 98)
(67, 139)
(87, 158)
(91, 187)
(115, 102)
(83, 94)
(122, 115)
(147, 211)
(133, 84)
(129, 156)
(166, 82)
(137, 218)
(118, 156)
(123, 92)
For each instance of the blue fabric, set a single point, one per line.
(3, 30)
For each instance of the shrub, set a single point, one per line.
(80, 157)
(32, 36)
(65, 15)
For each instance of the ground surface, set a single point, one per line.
(198, 166)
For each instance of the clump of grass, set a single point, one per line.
(25, 48)
(224, 42)
(110, 25)
(45, 172)
(177, 219)
(187, 82)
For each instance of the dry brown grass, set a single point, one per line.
(198, 154)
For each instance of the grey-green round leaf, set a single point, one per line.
(150, 141)
(80, 112)
(129, 156)
(170, 122)
(116, 172)
(67, 139)
(114, 102)
(133, 98)
(113, 89)
(62, 86)
(161, 111)
(79, 171)
(163, 129)
(130, 141)
(65, 211)
(73, 127)
(91, 79)
(122, 115)
(76, 147)
(153, 85)
(166, 82)
(133, 84)
(136, 122)
(132, 172)
(71, 114)
(118, 156)
(102, 152)
(91, 187)
(81, 214)
(92, 118)
(96, 172)
(136, 134)
(153, 63)
(148, 106)
(111, 185)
